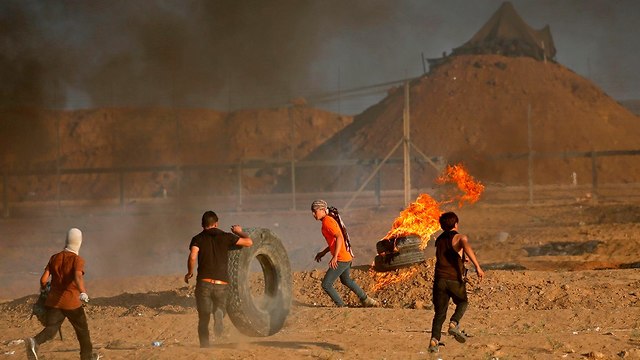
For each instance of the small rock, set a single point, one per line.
(595, 355)
(630, 354)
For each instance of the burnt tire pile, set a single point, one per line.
(264, 316)
(397, 253)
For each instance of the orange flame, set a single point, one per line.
(384, 279)
(421, 218)
(466, 183)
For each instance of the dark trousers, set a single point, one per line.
(210, 299)
(443, 290)
(77, 318)
(342, 272)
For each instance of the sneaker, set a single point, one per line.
(454, 330)
(96, 356)
(32, 348)
(434, 345)
(370, 302)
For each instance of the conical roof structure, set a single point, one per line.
(488, 105)
(482, 110)
(506, 33)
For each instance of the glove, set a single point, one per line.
(84, 297)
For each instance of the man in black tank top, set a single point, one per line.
(450, 279)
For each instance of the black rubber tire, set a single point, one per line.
(382, 263)
(401, 244)
(384, 246)
(266, 318)
(408, 243)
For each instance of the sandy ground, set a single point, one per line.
(576, 298)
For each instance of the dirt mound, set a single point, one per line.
(107, 139)
(500, 290)
(474, 109)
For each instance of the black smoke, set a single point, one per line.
(249, 53)
(171, 53)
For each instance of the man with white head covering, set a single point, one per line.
(65, 271)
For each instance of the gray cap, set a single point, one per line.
(318, 204)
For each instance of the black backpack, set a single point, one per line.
(38, 310)
(333, 212)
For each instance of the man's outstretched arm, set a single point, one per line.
(244, 239)
(466, 247)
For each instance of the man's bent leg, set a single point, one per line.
(346, 280)
(219, 308)
(327, 285)
(440, 304)
(55, 317)
(458, 292)
(78, 319)
(204, 306)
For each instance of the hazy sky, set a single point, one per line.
(234, 54)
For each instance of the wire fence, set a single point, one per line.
(240, 187)
(54, 189)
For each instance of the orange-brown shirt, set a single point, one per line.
(330, 230)
(64, 293)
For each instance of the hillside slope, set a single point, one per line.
(475, 108)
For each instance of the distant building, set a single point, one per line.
(506, 34)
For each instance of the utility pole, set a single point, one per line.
(407, 146)
(293, 157)
(530, 146)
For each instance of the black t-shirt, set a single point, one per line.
(213, 258)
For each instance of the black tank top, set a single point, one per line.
(449, 265)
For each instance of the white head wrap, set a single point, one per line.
(74, 240)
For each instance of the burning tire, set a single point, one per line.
(264, 316)
(399, 244)
(397, 260)
(408, 243)
(398, 253)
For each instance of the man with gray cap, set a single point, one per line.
(340, 263)
(65, 270)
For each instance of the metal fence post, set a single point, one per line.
(531, 154)
(121, 178)
(293, 184)
(239, 202)
(5, 194)
(178, 195)
(378, 184)
(594, 177)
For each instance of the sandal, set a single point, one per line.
(458, 334)
(434, 345)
